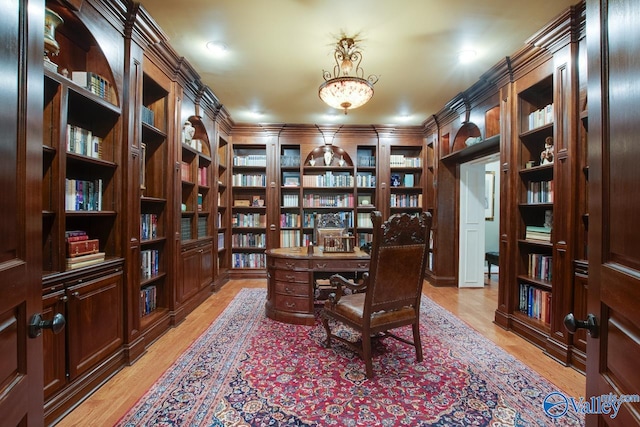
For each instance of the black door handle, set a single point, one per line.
(36, 325)
(591, 324)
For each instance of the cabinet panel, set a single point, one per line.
(53, 345)
(189, 271)
(94, 322)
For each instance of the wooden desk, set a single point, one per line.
(290, 276)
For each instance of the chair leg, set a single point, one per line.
(366, 354)
(417, 342)
(325, 322)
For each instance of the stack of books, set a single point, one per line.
(538, 233)
(82, 251)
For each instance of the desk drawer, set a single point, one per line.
(291, 264)
(292, 276)
(293, 304)
(293, 289)
(341, 265)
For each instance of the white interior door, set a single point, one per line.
(472, 214)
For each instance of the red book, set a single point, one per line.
(83, 247)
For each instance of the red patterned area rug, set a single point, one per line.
(247, 370)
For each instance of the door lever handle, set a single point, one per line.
(36, 324)
(590, 324)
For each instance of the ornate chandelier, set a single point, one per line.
(341, 89)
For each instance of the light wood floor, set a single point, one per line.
(475, 306)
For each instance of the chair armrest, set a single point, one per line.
(339, 282)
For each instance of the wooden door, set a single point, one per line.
(613, 38)
(21, 372)
(472, 214)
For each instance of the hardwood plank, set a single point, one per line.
(474, 306)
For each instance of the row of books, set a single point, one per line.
(185, 171)
(248, 260)
(328, 179)
(81, 195)
(203, 176)
(406, 200)
(148, 300)
(402, 180)
(250, 160)
(540, 266)
(185, 228)
(535, 303)
(365, 180)
(148, 226)
(249, 240)
(248, 220)
(368, 161)
(533, 232)
(328, 201)
(364, 220)
(202, 227)
(289, 220)
(147, 116)
(289, 238)
(249, 180)
(399, 160)
(83, 141)
(290, 200)
(93, 82)
(540, 117)
(289, 160)
(149, 263)
(540, 192)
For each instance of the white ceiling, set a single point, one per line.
(277, 50)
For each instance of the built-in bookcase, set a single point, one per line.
(534, 289)
(249, 210)
(155, 288)
(82, 215)
(366, 192)
(195, 172)
(290, 221)
(328, 186)
(82, 149)
(405, 179)
(222, 209)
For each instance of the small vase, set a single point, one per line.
(312, 162)
(341, 161)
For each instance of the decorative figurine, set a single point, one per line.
(546, 156)
(312, 162)
(187, 132)
(51, 46)
(328, 157)
(341, 161)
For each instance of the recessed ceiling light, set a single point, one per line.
(217, 48)
(467, 55)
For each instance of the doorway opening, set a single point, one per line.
(479, 222)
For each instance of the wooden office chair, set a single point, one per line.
(389, 296)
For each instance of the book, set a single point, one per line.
(82, 247)
(87, 257)
(85, 260)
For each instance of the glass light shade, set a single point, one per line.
(346, 92)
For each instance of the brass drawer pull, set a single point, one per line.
(321, 265)
(290, 304)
